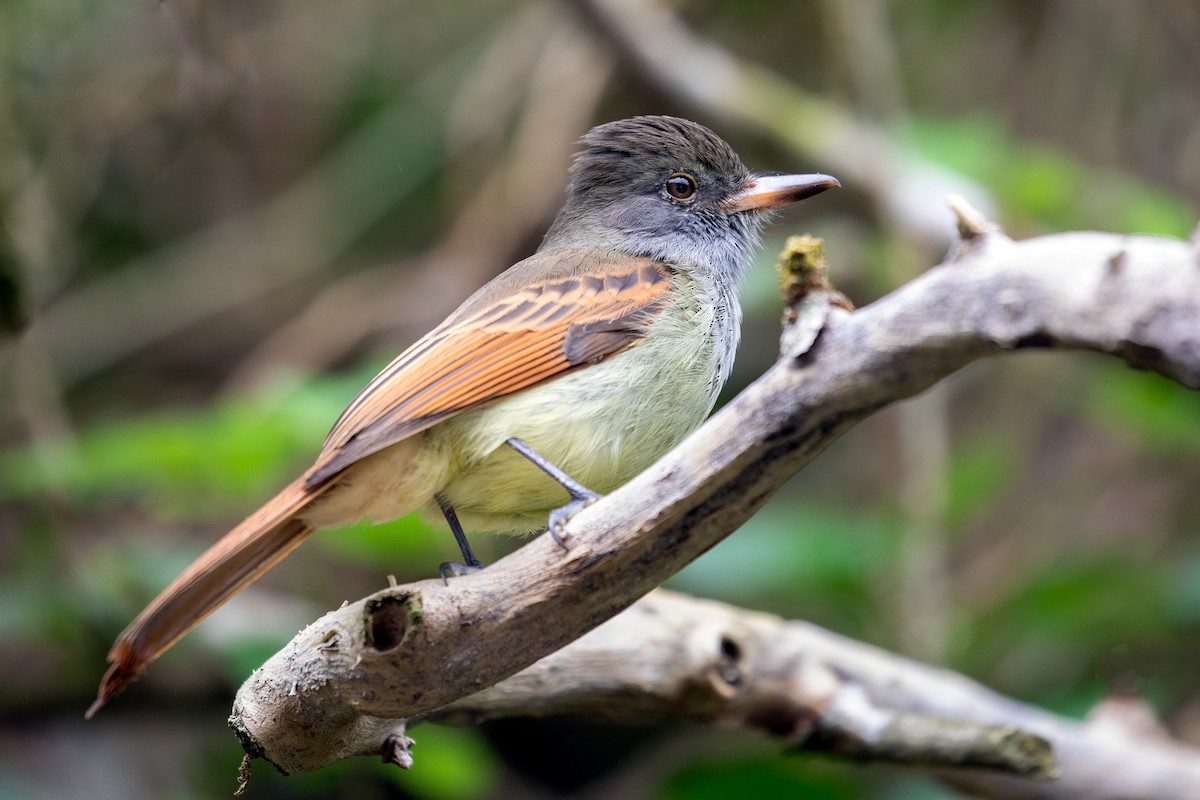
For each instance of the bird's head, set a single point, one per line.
(673, 190)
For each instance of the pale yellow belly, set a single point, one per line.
(601, 425)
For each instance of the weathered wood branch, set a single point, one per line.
(686, 658)
(816, 691)
(346, 684)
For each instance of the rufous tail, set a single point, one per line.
(235, 561)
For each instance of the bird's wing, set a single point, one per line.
(517, 332)
(546, 316)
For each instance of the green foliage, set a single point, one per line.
(185, 464)
(456, 764)
(769, 778)
(1079, 603)
(820, 561)
(408, 540)
(1075, 631)
(1151, 411)
(980, 470)
(759, 778)
(1046, 188)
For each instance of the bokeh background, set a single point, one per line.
(220, 218)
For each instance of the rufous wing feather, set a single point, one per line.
(234, 561)
(581, 308)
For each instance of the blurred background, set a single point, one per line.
(220, 218)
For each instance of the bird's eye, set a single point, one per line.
(681, 186)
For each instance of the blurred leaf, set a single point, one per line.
(978, 473)
(407, 543)
(1161, 415)
(1050, 186)
(1052, 633)
(777, 777)
(33, 602)
(781, 548)
(1100, 600)
(199, 464)
(821, 561)
(449, 764)
(1042, 182)
(792, 776)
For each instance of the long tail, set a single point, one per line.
(235, 561)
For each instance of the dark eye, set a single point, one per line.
(681, 186)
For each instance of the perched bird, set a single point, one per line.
(566, 375)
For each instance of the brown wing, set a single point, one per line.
(547, 315)
(550, 314)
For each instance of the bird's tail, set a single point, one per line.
(236, 560)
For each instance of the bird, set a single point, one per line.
(559, 380)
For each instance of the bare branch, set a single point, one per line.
(345, 684)
(686, 658)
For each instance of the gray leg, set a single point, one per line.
(581, 496)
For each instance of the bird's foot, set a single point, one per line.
(453, 569)
(559, 517)
(581, 496)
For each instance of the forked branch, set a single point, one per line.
(351, 682)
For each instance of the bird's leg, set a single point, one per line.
(581, 496)
(471, 563)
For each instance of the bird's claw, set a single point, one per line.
(452, 569)
(560, 516)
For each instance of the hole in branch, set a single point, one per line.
(727, 665)
(389, 619)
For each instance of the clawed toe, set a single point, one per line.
(452, 569)
(581, 496)
(560, 516)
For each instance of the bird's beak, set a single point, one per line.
(766, 191)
